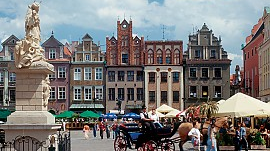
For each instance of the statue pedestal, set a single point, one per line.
(31, 117)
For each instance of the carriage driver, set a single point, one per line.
(145, 120)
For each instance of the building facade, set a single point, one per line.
(264, 59)
(250, 57)
(163, 70)
(87, 79)
(59, 56)
(124, 70)
(207, 68)
(7, 79)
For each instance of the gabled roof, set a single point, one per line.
(52, 42)
(9, 39)
(204, 27)
(67, 51)
(87, 36)
(124, 22)
(113, 38)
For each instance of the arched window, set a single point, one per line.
(159, 57)
(137, 57)
(168, 57)
(150, 57)
(177, 56)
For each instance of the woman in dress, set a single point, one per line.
(211, 142)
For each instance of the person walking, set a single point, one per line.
(86, 130)
(95, 129)
(107, 128)
(195, 135)
(101, 129)
(237, 138)
(211, 141)
(243, 138)
(115, 129)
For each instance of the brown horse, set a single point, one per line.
(184, 128)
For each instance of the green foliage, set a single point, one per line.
(257, 139)
(209, 108)
(224, 139)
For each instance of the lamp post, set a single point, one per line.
(95, 99)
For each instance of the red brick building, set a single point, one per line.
(251, 64)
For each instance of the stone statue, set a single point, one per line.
(46, 90)
(28, 50)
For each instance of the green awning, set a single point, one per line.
(65, 114)
(4, 114)
(86, 106)
(137, 106)
(89, 114)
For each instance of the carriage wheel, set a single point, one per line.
(120, 144)
(167, 145)
(150, 146)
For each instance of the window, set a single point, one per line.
(12, 77)
(61, 72)
(175, 77)
(12, 96)
(177, 57)
(11, 56)
(204, 91)
(61, 92)
(98, 74)
(99, 92)
(77, 93)
(193, 91)
(168, 57)
(217, 91)
(121, 94)
(150, 57)
(111, 94)
(197, 54)
(130, 75)
(139, 75)
(192, 72)
(87, 57)
(52, 53)
(152, 77)
(152, 97)
(113, 59)
(121, 75)
(175, 96)
(217, 72)
(163, 96)
(77, 73)
(124, 58)
(130, 94)
(213, 54)
(137, 58)
(87, 93)
(205, 72)
(164, 76)
(139, 94)
(1, 76)
(52, 93)
(87, 73)
(111, 75)
(159, 57)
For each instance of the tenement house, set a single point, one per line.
(207, 68)
(87, 80)
(163, 72)
(124, 70)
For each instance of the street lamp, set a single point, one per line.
(95, 99)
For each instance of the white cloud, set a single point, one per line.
(235, 56)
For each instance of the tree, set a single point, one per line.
(209, 108)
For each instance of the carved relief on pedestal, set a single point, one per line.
(46, 91)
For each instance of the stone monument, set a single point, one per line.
(31, 117)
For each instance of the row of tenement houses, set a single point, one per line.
(132, 71)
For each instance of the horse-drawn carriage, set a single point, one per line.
(132, 134)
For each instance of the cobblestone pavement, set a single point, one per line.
(79, 143)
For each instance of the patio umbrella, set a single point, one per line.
(65, 114)
(110, 116)
(89, 114)
(164, 108)
(132, 115)
(172, 113)
(158, 114)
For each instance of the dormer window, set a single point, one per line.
(197, 54)
(52, 54)
(213, 54)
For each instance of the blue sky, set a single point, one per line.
(71, 20)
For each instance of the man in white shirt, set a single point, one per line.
(154, 116)
(145, 120)
(195, 135)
